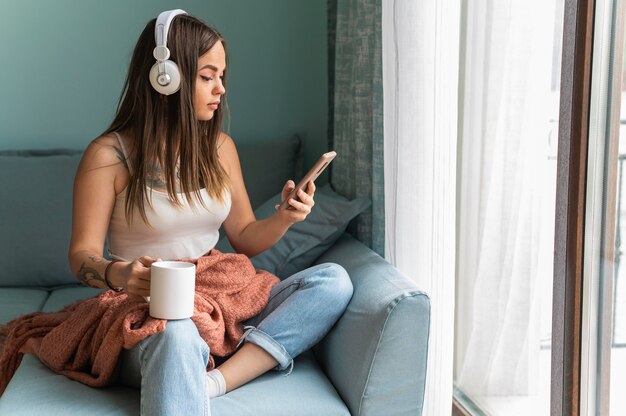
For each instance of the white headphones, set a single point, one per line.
(164, 74)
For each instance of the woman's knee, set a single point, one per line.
(181, 334)
(337, 281)
(180, 327)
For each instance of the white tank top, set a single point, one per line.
(174, 232)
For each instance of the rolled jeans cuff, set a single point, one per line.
(273, 348)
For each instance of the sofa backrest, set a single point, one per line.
(268, 164)
(35, 216)
(36, 204)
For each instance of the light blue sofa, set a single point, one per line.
(372, 362)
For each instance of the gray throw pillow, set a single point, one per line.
(305, 241)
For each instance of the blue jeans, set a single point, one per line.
(170, 367)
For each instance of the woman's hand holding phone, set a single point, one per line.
(297, 200)
(299, 205)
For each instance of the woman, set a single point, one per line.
(159, 182)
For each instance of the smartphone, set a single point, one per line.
(311, 175)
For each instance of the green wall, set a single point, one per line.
(64, 62)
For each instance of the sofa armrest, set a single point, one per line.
(375, 355)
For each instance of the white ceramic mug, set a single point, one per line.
(172, 288)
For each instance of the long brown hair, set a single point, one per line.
(165, 129)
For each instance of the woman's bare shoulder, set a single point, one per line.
(227, 152)
(104, 151)
(225, 142)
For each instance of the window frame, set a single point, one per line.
(570, 206)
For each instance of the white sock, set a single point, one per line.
(215, 383)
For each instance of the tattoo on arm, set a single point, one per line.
(88, 275)
(96, 259)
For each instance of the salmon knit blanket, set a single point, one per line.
(84, 340)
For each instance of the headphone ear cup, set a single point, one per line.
(171, 69)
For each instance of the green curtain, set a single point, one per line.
(356, 111)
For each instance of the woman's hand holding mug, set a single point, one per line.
(134, 277)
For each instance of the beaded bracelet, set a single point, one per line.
(106, 277)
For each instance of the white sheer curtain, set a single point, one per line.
(507, 188)
(420, 78)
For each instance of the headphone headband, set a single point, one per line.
(161, 53)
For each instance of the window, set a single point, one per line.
(509, 134)
(508, 360)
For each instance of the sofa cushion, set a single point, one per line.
(267, 164)
(35, 390)
(36, 208)
(65, 296)
(306, 391)
(307, 240)
(15, 302)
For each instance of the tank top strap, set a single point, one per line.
(121, 142)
